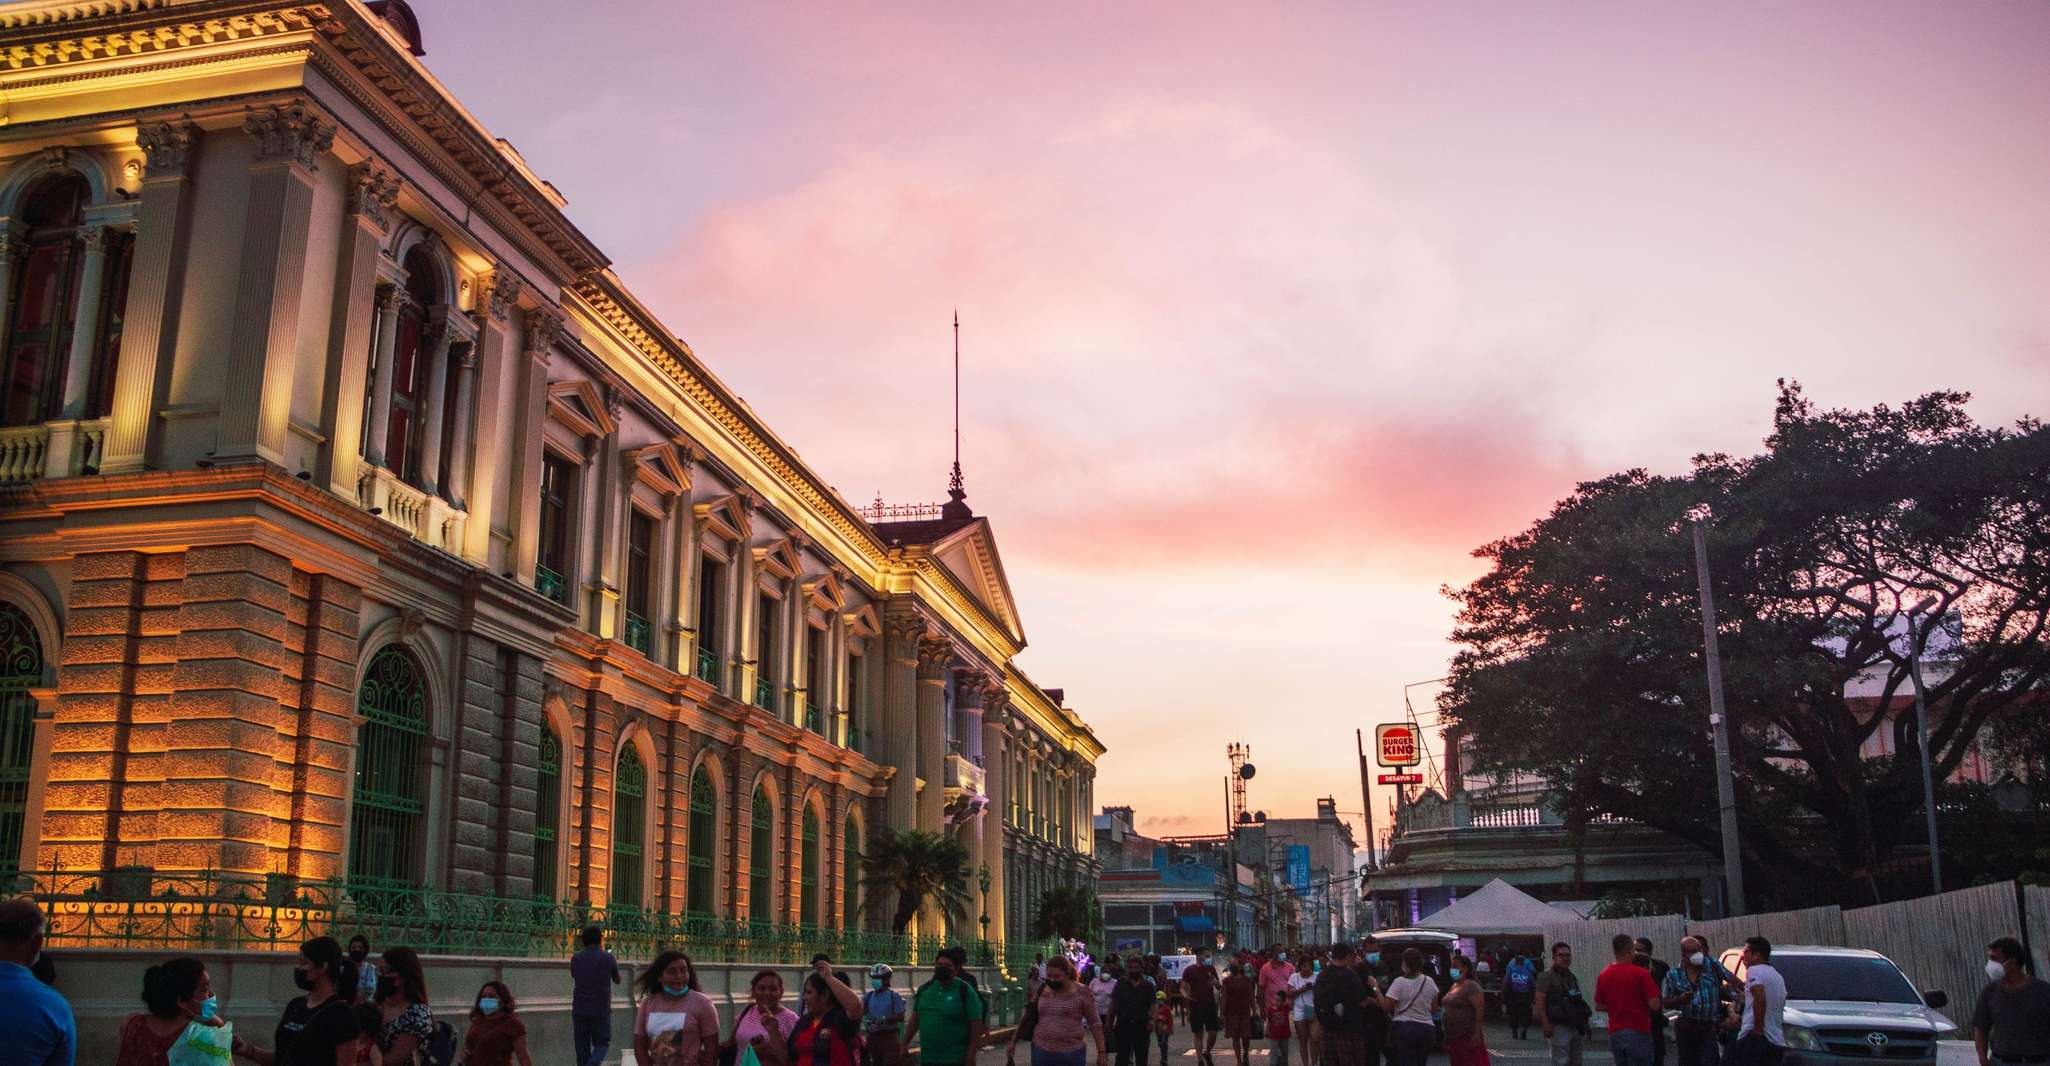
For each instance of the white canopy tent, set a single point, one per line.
(1497, 909)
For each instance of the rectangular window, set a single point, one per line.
(765, 652)
(857, 699)
(815, 694)
(640, 579)
(711, 593)
(551, 566)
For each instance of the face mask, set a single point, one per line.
(1056, 983)
(1284, 956)
(1995, 970)
(675, 990)
(386, 985)
(1698, 959)
(209, 1008)
(1373, 958)
(488, 1005)
(303, 979)
(1457, 974)
(358, 956)
(875, 983)
(943, 976)
(1317, 967)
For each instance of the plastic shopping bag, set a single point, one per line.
(204, 1045)
(748, 1056)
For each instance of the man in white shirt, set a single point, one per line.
(1761, 1038)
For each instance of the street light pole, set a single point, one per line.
(1915, 640)
(1725, 784)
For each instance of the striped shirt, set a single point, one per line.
(1065, 1017)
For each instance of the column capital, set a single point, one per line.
(373, 193)
(446, 325)
(94, 237)
(994, 698)
(903, 632)
(502, 294)
(466, 354)
(289, 133)
(934, 653)
(390, 297)
(544, 330)
(167, 146)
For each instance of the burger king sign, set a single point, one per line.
(1398, 744)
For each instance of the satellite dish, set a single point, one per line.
(1246, 771)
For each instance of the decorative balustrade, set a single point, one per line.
(765, 695)
(812, 719)
(708, 666)
(427, 517)
(24, 452)
(139, 908)
(551, 584)
(637, 633)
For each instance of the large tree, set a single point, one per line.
(1581, 655)
(909, 870)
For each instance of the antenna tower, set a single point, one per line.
(1241, 772)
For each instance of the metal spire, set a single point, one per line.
(957, 491)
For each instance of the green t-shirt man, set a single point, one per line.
(946, 1016)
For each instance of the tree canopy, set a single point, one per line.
(1581, 648)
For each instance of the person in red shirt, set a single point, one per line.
(1626, 991)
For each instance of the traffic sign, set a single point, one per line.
(1400, 779)
(1398, 744)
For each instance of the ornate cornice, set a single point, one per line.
(373, 193)
(168, 146)
(293, 133)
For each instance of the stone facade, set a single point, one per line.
(356, 521)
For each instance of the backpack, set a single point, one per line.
(440, 1048)
(1519, 979)
(1332, 1009)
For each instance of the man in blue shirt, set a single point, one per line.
(35, 1018)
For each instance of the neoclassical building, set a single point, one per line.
(357, 522)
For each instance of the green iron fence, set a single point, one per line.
(140, 908)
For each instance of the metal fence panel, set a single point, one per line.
(1590, 942)
(2036, 904)
(1814, 925)
(1939, 941)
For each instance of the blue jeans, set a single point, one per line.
(1630, 1047)
(593, 1035)
(1077, 1057)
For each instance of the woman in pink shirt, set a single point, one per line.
(1067, 1019)
(676, 1023)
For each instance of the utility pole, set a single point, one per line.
(1725, 785)
(1915, 640)
(1359, 739)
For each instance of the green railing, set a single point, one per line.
(708, 666)
(551, 584)
(812, 719)
(765, 695)
(636, 632)
(139, 908)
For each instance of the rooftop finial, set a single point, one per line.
(957, 491)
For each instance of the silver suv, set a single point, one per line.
(1849, 1006)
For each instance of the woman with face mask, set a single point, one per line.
(318, 1028)
(882, 1017)
(1067, 1020)
(179, 995)
(676, 1023)
(1464, 1006)
(402, 1001)
(497, 1036)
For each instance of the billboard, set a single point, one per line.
(1299, 869)
(1398, 744)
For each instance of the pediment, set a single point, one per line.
(863, 622)
(724, 518)
(580, 406)
(970, 555)
(779, 558)
(660, 467)
(826, 593)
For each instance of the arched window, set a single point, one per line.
(629, 828)
(808, 870)
(385, 845)
(548, 797)
(761, 856)
(704, 831)
(43, 310)
(850, 875)
(21, 669)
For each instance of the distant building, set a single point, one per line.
(1181, 893)
(1326, 885)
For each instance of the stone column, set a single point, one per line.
(896, 743)
(934, 656)
(85, 330)
(264, 342)
(439, 337)
(543, 329)
(605, 580)
(494, 363)
(997, 775)
(459, 435)
(12, 248)
(389, 299)
(149, 320)
(352, 328)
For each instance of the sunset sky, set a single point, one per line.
(1272, 313)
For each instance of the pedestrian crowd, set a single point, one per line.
(1342, 1005)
